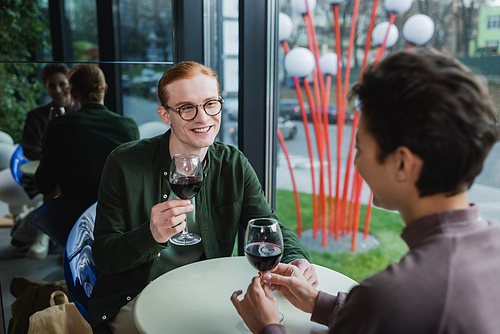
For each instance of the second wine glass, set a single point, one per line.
(264, 245)
(185, 177)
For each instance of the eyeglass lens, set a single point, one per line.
(212, 108)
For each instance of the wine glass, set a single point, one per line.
(185, 177)
(56, 112)
(264, 245)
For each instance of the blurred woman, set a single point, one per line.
(55, 82)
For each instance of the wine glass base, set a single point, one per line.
(185, 239)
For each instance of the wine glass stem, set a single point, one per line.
(185, 231)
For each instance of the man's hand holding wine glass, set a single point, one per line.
(168, 219)
(259, 306)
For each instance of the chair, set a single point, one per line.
(6, 151)
(14, 195)
(6, 138)
(80, 271)
(16, 161)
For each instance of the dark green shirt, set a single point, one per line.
(135, 178)
(75, 147)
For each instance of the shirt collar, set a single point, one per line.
(92, 105)
(165, 154)
(443, 223)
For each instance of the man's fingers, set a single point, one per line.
(267, 291)
(164, 206)
(277, 279)
(256, 283)
(177, 220)
(281, 269)
(177, 228)
(307, 273)
(310, 274)
(235, 300)
(314, 280)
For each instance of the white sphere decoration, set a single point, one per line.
(6, 138)
(380, 31)
(285, 27)
(13, 193)
(418, 29)
(328, 63)
(357, 104)
(299, 6)
(398, 6)
(334, 2)
(299, 62)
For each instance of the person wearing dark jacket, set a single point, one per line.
(74, 150)
(137, 213)
(55, 82)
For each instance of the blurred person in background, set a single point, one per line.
(74, 150)
(55, 82)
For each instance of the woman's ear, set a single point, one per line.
(407, 165)
(164, 114)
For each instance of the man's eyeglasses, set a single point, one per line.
(188, 112)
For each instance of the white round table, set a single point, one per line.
(196, 299)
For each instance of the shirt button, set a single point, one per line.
(103, 317)
(165, 173)
(165, 196)
(129, 298)
(159, 254)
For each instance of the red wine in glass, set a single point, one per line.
(264, 245)
(185, 177)
(186, 187)
(263, 256)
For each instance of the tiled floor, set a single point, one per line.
(13, 263)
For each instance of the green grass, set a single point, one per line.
(384, 225)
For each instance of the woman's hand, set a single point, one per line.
(307, 271)
(258, 308)
(168, 218)
(289, 281)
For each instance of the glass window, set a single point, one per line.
(82, 18)
(468, 40)
(494, 22)
(146, 44)
(228, 71)
(146, 30)
(23, 49)
(145, 47)
(140, 91)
